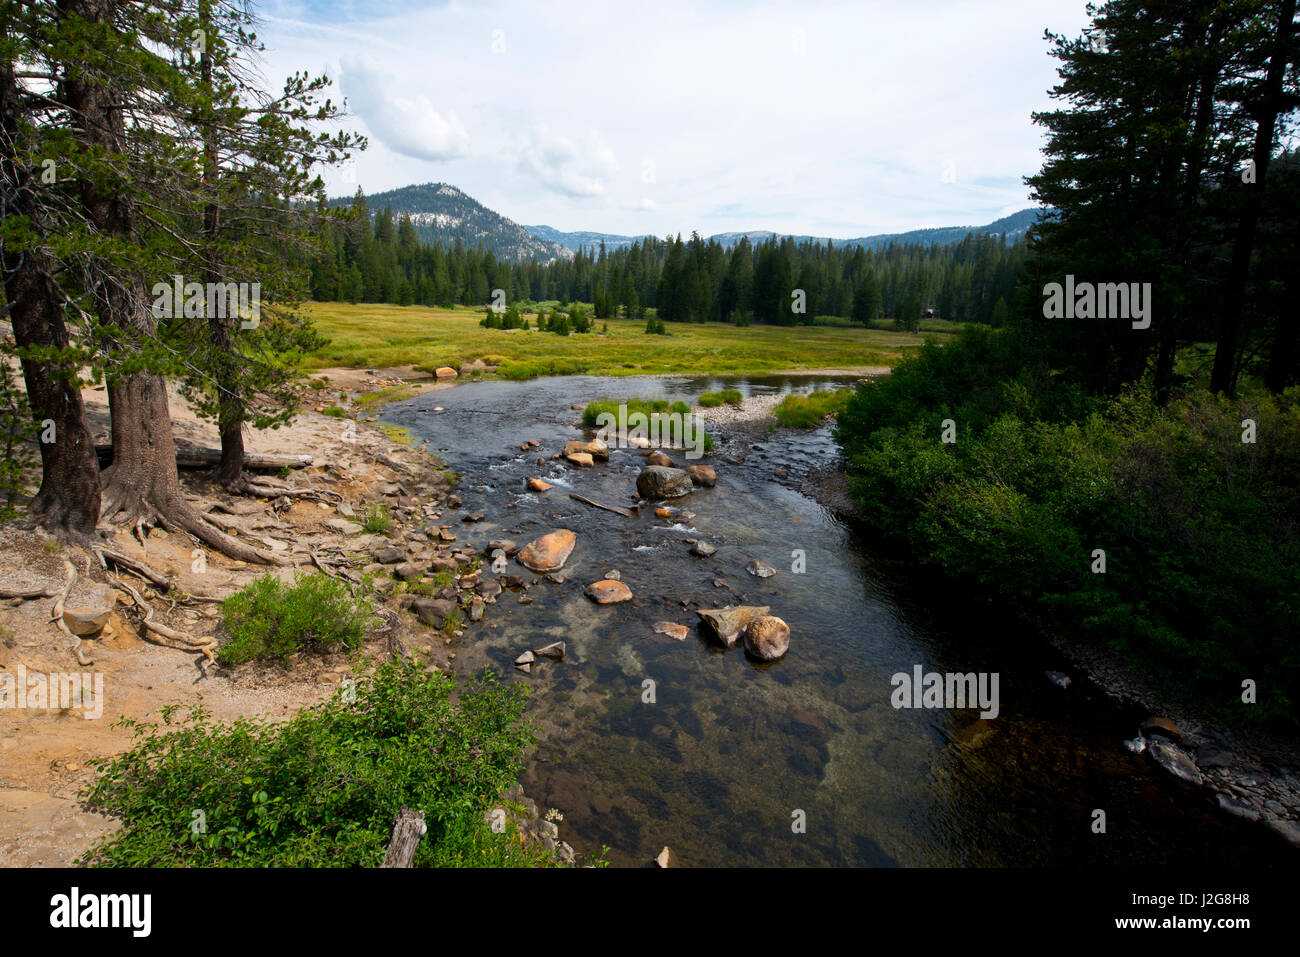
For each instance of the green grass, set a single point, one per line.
(710, 399)
(807, 411)
(335, 411)
(322, 789)
(366, 335)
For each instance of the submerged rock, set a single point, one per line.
(548, 553)
(554, 650)
(760, 568)
(672, 630)
(703, 548)
(659, 458)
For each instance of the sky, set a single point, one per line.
(829, 119)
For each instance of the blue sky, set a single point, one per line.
(834, 119)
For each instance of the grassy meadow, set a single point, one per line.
(373, 335)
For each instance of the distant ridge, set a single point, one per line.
(441, 214)
(1012, 226)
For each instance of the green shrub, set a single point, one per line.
(270, 620)
(323, 788)
(377, 520)
(1201, 530)
(335, 411)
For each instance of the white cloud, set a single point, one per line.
(563, 166)
(405, 124)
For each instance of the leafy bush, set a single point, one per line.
(1201, 530)
(377, 520)
(323, 788)
(269, 620)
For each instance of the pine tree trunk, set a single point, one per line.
(142, 484)
(69, 496)
(1223, 377)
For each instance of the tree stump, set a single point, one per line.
(407, 831)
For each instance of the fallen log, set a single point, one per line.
(197, 457)
(407, 831)
(616, 509)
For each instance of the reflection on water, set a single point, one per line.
(730, 753)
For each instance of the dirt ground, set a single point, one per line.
(44, 752)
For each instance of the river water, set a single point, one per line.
(803, 761)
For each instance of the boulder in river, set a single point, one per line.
(537, 485)
(582, 459)
(658, 481)
(760, 568)
(1173, 759)
(608, 591)
(555, 651)
(433, 611)
(702, 475)
(767, 637)
(596, 448)
(702, 548)
(548, 553)
(727, 624)
(666, 858)
(1162, 728)
(659, 458)
(507, 545)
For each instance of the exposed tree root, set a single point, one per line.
(129, 507)
(107, 555)
(56, 614)
(48, 591)
(161, 635)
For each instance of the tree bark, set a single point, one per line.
(68, 501)
(142, 485)
(1223, 376)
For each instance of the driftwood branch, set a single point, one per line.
(196, 457)
(408, 828)
(616, 509)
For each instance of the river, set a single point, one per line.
(803, 761)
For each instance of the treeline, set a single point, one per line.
(380, 258)
(1131, 480)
